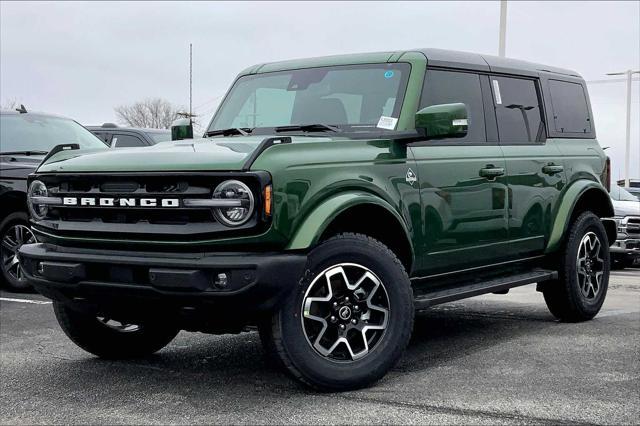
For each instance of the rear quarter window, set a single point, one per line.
(570, 109)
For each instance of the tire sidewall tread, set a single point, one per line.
(563, 297)
(301, 360)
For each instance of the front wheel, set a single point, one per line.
(108, 338)
(349, 323)
(583, 270)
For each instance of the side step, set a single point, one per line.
(462, 291)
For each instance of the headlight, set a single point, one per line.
(37, 189)
(238, 214)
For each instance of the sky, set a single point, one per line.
(82, 59)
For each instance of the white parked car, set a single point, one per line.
(625, 251)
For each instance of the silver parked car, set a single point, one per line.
(625, 251)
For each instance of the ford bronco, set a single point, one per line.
(328, 201)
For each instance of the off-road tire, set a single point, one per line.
(563, 296)
(95, 337)
(284, 337)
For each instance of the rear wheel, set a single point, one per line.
(581, 288)
(14, 232)
(347, 325)
(108, 338)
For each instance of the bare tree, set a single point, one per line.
(10, 104)
(155, 113)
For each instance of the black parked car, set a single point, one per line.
(25, 140)
(126, 137)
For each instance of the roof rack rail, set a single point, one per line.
(109, 125)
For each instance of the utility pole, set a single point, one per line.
(627, 152)
(503, 28)
(190, 80)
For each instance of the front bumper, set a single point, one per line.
(140, 281)
(629, 246)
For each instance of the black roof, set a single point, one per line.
(435, 58)
(481, 62)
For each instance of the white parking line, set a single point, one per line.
(35, 302)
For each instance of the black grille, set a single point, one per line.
(144, 223)
(633, 227)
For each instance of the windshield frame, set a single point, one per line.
(346, 129)
(78, 128)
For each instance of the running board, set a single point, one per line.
(463, 291)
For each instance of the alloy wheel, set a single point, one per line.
(345, 312)
(590, 265)
(13, 239)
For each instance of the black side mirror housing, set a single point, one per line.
(443, 121)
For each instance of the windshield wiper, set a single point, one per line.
(317, 127)
(244, 131)
(24, 153)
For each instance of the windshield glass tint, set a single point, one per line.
(26, 132)
(356, 95)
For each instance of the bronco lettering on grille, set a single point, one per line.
(121, 202)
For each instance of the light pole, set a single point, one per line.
(502, 44)
(627, 152)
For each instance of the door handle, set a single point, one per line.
(491, 172)
(552, 169)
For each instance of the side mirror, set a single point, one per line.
(182, 128)
(443, 121)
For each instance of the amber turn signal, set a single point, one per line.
(267, 200)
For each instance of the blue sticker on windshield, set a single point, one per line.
(388, 74)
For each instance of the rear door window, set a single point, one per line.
(448, 87)
(517, 110)
(570, 110)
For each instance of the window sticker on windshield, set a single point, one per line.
(388, 123)
(496, 91)
(388, 74)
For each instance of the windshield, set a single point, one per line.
(353, 96)
(621, 194)
(29, 132)
(159, 136)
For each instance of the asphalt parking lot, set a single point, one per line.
(494, 359)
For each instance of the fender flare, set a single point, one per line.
(567, 205)
(313, 226)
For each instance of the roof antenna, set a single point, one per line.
(22, 109)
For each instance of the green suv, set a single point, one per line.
(328, 201)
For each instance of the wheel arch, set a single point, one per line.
(580, 196)
(357, 212)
